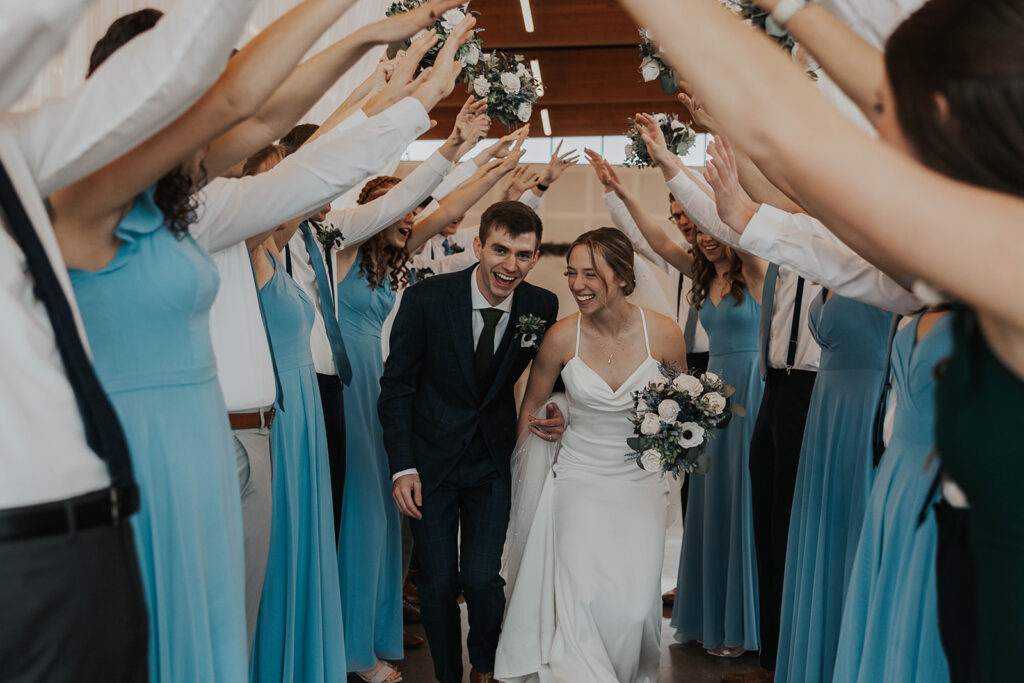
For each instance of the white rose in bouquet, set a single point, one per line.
(662, 119)
(650, 70)
(691, 435)
(678, 125)
(642, 406)
(524, 112)
(522, 72)
(629, 150)
(481, 86)
(451, 19)
(650, 461)
(510, 82)
(668, 410)
(651, 425)
(688, 384)
(714, 403)
(659, 382)
(710, 379)
(470, 55)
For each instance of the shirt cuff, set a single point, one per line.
(396, 475)
(531, 199)
(439, 164)
(760, 231)
(775, 214)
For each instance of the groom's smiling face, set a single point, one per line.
(505, 260)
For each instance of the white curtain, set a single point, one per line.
(67, 70)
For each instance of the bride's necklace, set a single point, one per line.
(615, 344)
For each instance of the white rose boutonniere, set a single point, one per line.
(530, 330)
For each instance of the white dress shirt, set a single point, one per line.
(804, 245)
(624, 222)
(357, 224)
(702, 210)
(460, 174)
(479, 303)
(235, 209)
(44, 455)
(873, 20)
(141, 88)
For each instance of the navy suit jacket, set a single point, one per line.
(431, 404)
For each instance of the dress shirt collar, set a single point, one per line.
(480, 302)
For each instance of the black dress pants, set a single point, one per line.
(72, 609)
(774, 458)
(332, 399)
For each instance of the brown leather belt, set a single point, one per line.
(256, 420)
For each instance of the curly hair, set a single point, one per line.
(381, 259)
(175, 197)
(704, 274)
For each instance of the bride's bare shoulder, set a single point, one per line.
(666, 336)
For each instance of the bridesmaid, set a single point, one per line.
(833, 482)
(716, 591)
(145, 289)
(299, 633)
(369, 537)
(890, 626)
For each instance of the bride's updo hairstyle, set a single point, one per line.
(616, 250)
(969, 53)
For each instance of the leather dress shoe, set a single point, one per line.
(668, 598)
(410, 614)
(761, 675)
(477, 677)
(411, 641)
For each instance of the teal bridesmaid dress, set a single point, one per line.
(716, 591)
(299, 634)
(890, 626)
(146, 315)
(370, 537)
(832, 486)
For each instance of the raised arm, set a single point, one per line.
(141, 88)
(310, 80)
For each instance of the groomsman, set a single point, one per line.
(68, 489)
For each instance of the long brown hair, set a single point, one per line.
(704, 274)
(381, 259)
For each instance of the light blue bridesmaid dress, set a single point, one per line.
(890, 626)
(832, 485)
(147, 318)
(299, 634)
(370, 537)
(716, 590)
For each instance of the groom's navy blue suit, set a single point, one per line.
(458, 431)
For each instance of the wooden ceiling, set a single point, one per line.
(588, 60)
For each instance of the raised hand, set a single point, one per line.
(700, 115)
(735, 207)
(403, 81)
(517, 183)
(405, 25)
(596, 161)
(557, 165)
(615, 183)
(499, 150)
(446, 68)
(472, 122)
(650, 133)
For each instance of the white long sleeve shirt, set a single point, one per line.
(357, 224)
(804, 245)
(237, 208)
(697, 342)
(702, 210)
(44, 455)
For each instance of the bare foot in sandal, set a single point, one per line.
(382, 673)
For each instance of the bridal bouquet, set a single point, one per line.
(678, 136)
(761, 18)
(468, 55)
(653, 66)
(673, 418)
(509, 87)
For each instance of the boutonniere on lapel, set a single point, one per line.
(455, 248)
(530, 330)
(329, 238)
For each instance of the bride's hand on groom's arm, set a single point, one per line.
(408, 494)
(551, 426)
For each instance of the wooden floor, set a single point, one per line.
(682, 663)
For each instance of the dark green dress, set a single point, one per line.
(980, 409)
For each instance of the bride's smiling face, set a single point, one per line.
(588, 278)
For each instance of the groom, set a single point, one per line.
(449, 418)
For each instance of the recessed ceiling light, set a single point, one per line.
(545, 121)
(527, 15)
(535, 67)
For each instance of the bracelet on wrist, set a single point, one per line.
(542, 187)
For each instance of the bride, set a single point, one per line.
(586, 541)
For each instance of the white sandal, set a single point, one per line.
(381, 674)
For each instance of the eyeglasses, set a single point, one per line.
(676, 217)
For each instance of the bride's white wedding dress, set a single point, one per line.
(586, 600)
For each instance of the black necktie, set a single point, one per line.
(485, 345)
(102, 427)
